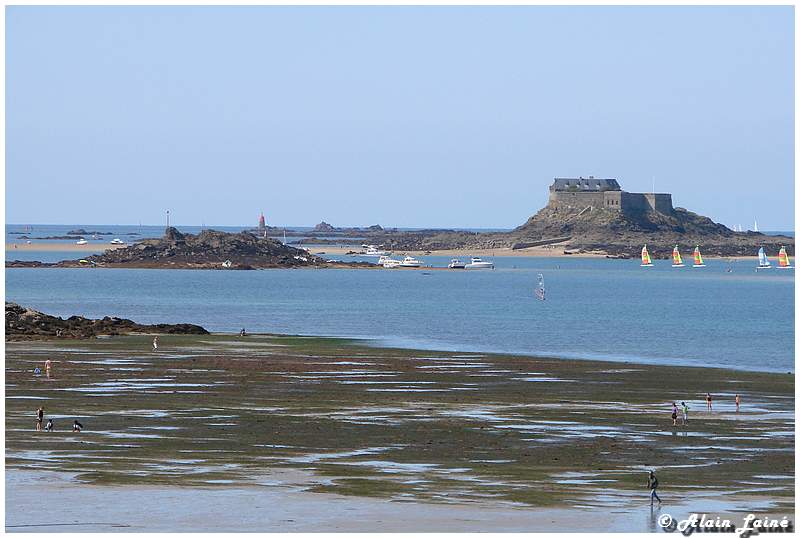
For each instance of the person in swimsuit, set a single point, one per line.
(708, 400)
(48, 364)
(674, 414)
(738, 401)
(39, 418)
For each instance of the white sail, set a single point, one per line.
(763, 261)
(755, 225)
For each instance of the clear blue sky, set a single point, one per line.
(402, 116)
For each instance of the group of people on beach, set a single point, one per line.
(709, 407)
(49, 427)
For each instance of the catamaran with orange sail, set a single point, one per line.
(677, 261)
(646, 258)
(783, 259)
(698, 258)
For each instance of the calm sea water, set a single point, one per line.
(595, 308)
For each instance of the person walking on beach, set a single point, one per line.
(708, 400)
(155, 343)
(674, 414)
(738, 401)
(39, 418)
(48, 364)
(652, 484)
(685, 413)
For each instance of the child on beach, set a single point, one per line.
(685, 413)
(738, 401)
(708, 400)
(674, 414)
(77, 426)
(49, 426)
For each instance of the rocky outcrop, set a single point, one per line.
(323, 227)
(209, 249)
(25, 323)
(81, 231)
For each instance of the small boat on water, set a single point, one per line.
(81, 242)
(455, 263)
(477, 263)
(388, 262)
(117, 241)
(783, 259)
(646, 262)
(677, 261)
(372, 250)
(763, 261)
(698, 258)
(408, 261)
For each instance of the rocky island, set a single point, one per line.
(209, 249)
(590, 216)
(27, 324)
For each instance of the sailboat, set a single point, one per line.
(755, 225)
(539, 291)
(698, 258)
(763, 261)
(783, 259)
(677, 261)
(646, 258)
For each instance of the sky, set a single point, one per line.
(400, 116)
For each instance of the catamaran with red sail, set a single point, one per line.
(646, 258)
(677, 261)
(698, 258)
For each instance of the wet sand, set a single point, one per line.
(278, 503)
(463, 254)
(410, 439)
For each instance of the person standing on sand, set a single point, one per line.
(47, 365)
(738, 401)
(685, 413)
(652, 485)
(39, 418)
(674, 414)
(708, 400)
(155, 343)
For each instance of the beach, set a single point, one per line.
(412, 440)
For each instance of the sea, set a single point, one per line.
(726, 314)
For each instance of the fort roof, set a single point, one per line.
(590, 183)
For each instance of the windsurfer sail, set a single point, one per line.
(783, 259)
(646, 257)
(677, 261)
(539, 291)
(698, 258)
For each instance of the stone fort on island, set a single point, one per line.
(591, 192)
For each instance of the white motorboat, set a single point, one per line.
(372, 250)
(477, 263)
(81, 242)
(117, 241)
(388, 262)
(408, 261)
(455, 263)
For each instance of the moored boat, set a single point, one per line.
(81, 242)
(455, 263)
(408, 261)
(388, 262)
(477, 263)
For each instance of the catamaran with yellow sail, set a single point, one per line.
(677, 261)
(783, 259)
(646, 258)
(698, 258)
